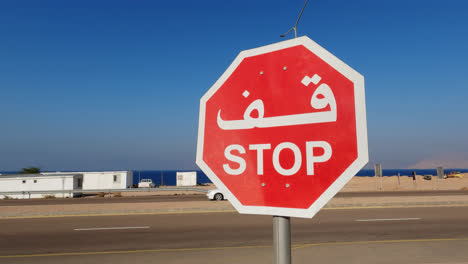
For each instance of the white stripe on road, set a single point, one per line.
(111, 228)
(388, 219)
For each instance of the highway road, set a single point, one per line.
(386, 235)
(202, 197)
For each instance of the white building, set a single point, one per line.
(103, 180)
(187, 178)
(25, 186)
(107, 180)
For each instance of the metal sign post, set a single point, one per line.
(281, 240)
(378, 173)
(440, 172)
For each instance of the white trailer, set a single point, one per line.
(188, 178)
(103, 180)
(107, 180)
(26, 186)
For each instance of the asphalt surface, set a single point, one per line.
(397, 235)
(202, 197)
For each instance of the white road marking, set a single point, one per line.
(387, 219)
(111, 228)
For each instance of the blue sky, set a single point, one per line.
(116, 84)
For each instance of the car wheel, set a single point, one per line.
(218, 197)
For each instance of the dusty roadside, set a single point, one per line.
(357, 184)
(212, 206)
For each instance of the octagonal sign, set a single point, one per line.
(283, 129)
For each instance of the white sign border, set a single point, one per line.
(361, 129)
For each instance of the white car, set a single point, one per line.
(216, 194)
(146, 183)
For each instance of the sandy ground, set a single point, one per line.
(363, 184)
(214, 206)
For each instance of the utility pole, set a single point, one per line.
(162, 178)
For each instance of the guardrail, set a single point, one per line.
(108, 190)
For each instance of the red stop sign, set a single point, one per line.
(283, 129)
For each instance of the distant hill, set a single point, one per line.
(451, 160)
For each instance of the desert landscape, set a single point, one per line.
(405, 183)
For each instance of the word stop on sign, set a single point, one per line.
(231, 155)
